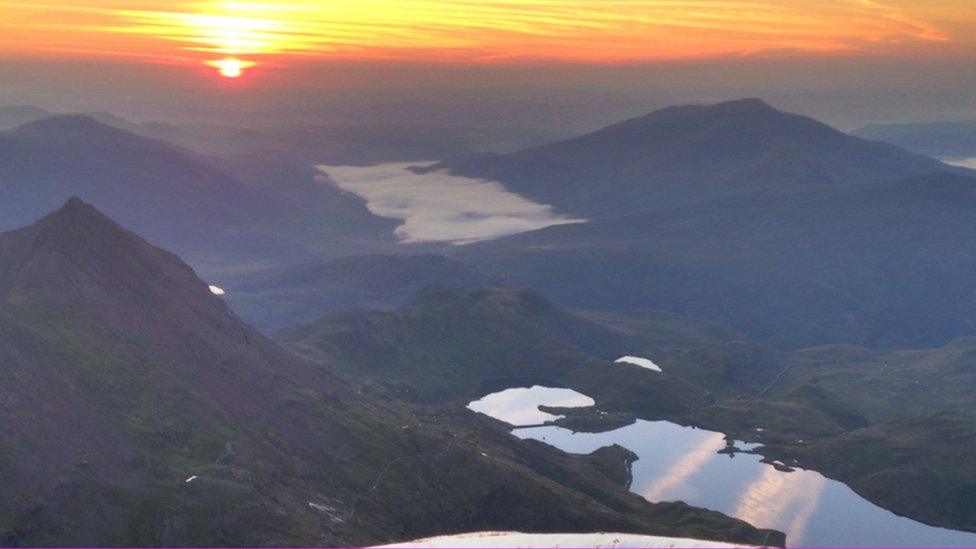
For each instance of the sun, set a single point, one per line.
(231, 67)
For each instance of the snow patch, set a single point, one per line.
(596, 540)
(638, 361)
(191, 479)
(217, 290)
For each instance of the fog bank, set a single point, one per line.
(440, 207)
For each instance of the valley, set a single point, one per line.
(691, 335)
(165, 420)
(456, 345)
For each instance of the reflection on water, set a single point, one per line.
(778, 498)
(682, 464)
(683, 469)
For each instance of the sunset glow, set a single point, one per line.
(230, 67)
(484, 31)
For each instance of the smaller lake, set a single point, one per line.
(520, 406)
(683, 464)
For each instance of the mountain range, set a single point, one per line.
(160, 418)
(354, 142)
(789, 230)
(782, 273)
(682, 156)
(219, 213)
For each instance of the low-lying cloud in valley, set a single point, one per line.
(961, 162)
(440, 207)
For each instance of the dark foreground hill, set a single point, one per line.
(136, 409)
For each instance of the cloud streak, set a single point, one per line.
(440, 207)
(494, 30)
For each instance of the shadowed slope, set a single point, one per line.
(268, 206)
(684, 155)
(889, 264)
(137, 410)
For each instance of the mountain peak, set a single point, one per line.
(77, 206)
(690, 154)
(78, 216)
(77, 250)
(749, 104)
(64, 122)
(77, 129)
(745, 106)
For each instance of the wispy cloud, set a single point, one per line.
(495, 30)
(440, 207)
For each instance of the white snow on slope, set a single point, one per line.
(596, 540)
(217, 290)
(638, 361)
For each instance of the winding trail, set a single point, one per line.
(391, 463)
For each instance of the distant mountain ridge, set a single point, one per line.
(18, 115)
(682, 155)
(283, 297)
(254, 210)
(318, 141)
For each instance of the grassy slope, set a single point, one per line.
(383, 473)
(840, 400)
(455, 344)
(126, 377)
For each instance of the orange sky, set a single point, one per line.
(480, 31)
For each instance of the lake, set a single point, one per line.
(683, 464)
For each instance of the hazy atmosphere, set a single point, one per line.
(488, 273)
(847, 62)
